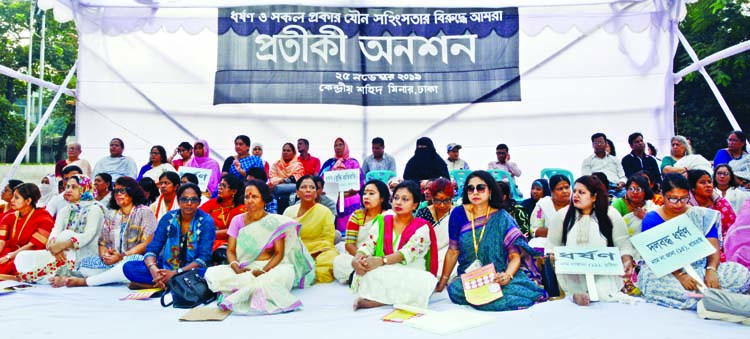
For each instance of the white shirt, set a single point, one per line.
(607, 165)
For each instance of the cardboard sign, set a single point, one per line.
(347, 179)
(203, 174)
(583, 260)
(480, 287)
(672, 245)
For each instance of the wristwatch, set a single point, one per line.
(179, 270)
(385, 261)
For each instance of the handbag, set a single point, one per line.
(549, 279)
(188, 290)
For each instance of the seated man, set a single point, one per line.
(453, 161)
(605, 163)
(503, 163)
(378, 160)
(74, 151)
(638, 160)
(116, 164)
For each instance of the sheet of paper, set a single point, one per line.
(206, 313)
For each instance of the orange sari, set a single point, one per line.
(32, 228)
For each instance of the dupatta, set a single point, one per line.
(385, 240)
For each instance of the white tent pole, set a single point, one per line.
(39, 126)
(41, 89)
(32, 80)
(723, 54)
(28, 86)
(710, 82)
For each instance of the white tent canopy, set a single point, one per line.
(586, 66)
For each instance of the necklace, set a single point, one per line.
(224, 213)
(28, 217)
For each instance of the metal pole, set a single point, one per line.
(39, 125)
(41, 89)
(28, 86)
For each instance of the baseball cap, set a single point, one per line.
(453, 145)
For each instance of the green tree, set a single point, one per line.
(712, 26)
(61, 50)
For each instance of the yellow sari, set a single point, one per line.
(317, 233)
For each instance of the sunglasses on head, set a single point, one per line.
(479, 188)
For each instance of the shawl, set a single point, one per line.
(206, 162)
(385, 240)
(318, 231)
(79, 209)
(282, 170)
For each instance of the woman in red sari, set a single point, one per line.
(26, 229)
(6, 196)
(229, 203)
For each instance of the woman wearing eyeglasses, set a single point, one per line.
(736, 149)
(726, 183)
(185, 153)
(375, 200)
(482, 233)
(703, 194)
(636, 202)
(438, 213)
(182, 241)
(156, 165)
(672, 289)
(74, 237)
(124, 237)
(228, 204)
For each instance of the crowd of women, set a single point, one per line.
(400, 241)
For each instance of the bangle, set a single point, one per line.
(710, 268)
(150, 265)
(234, 262)
(681, 274)
(445, 277)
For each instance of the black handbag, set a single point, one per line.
(188, 290)
(549, 279)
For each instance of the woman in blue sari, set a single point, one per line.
(482, 233)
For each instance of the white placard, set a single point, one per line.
(347, 179)
(588, 260)
(203, 174)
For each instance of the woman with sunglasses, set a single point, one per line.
(125, 234)
(703, 194)
(375, 200)
(482, 233)
(438, 213)
(74, 237)
(672, 289)
(592, 223)
(398, 263)
(548, 207)
(182, 241)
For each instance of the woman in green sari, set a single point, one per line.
(267, 259)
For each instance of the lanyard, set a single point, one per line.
(473, 231)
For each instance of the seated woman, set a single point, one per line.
(228, 204)
(657, 199)
(682, 158)
(266, 256)
(736, 149)
(375, 200)
(593, 224)
(515, 210)
(398, 262)
(48, 189)
(181, 155)
(539, 190)
(548, 208)
(342, 161)
(318, 231)
(499, 242)
(284, 174)
(169, 183)
(672, 290)
(182, 241)
(202, 159)
(7, 197)
(635, 204)
(157, 164)
(25, 230)
(150, 190)
(726, 183)
(103, 186)
(438, 214)
(124, 237)
(74, 237)
(240, 164)
(703, 194)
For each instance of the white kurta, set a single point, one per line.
(405, 283)
(585, 232)
(342, 264)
